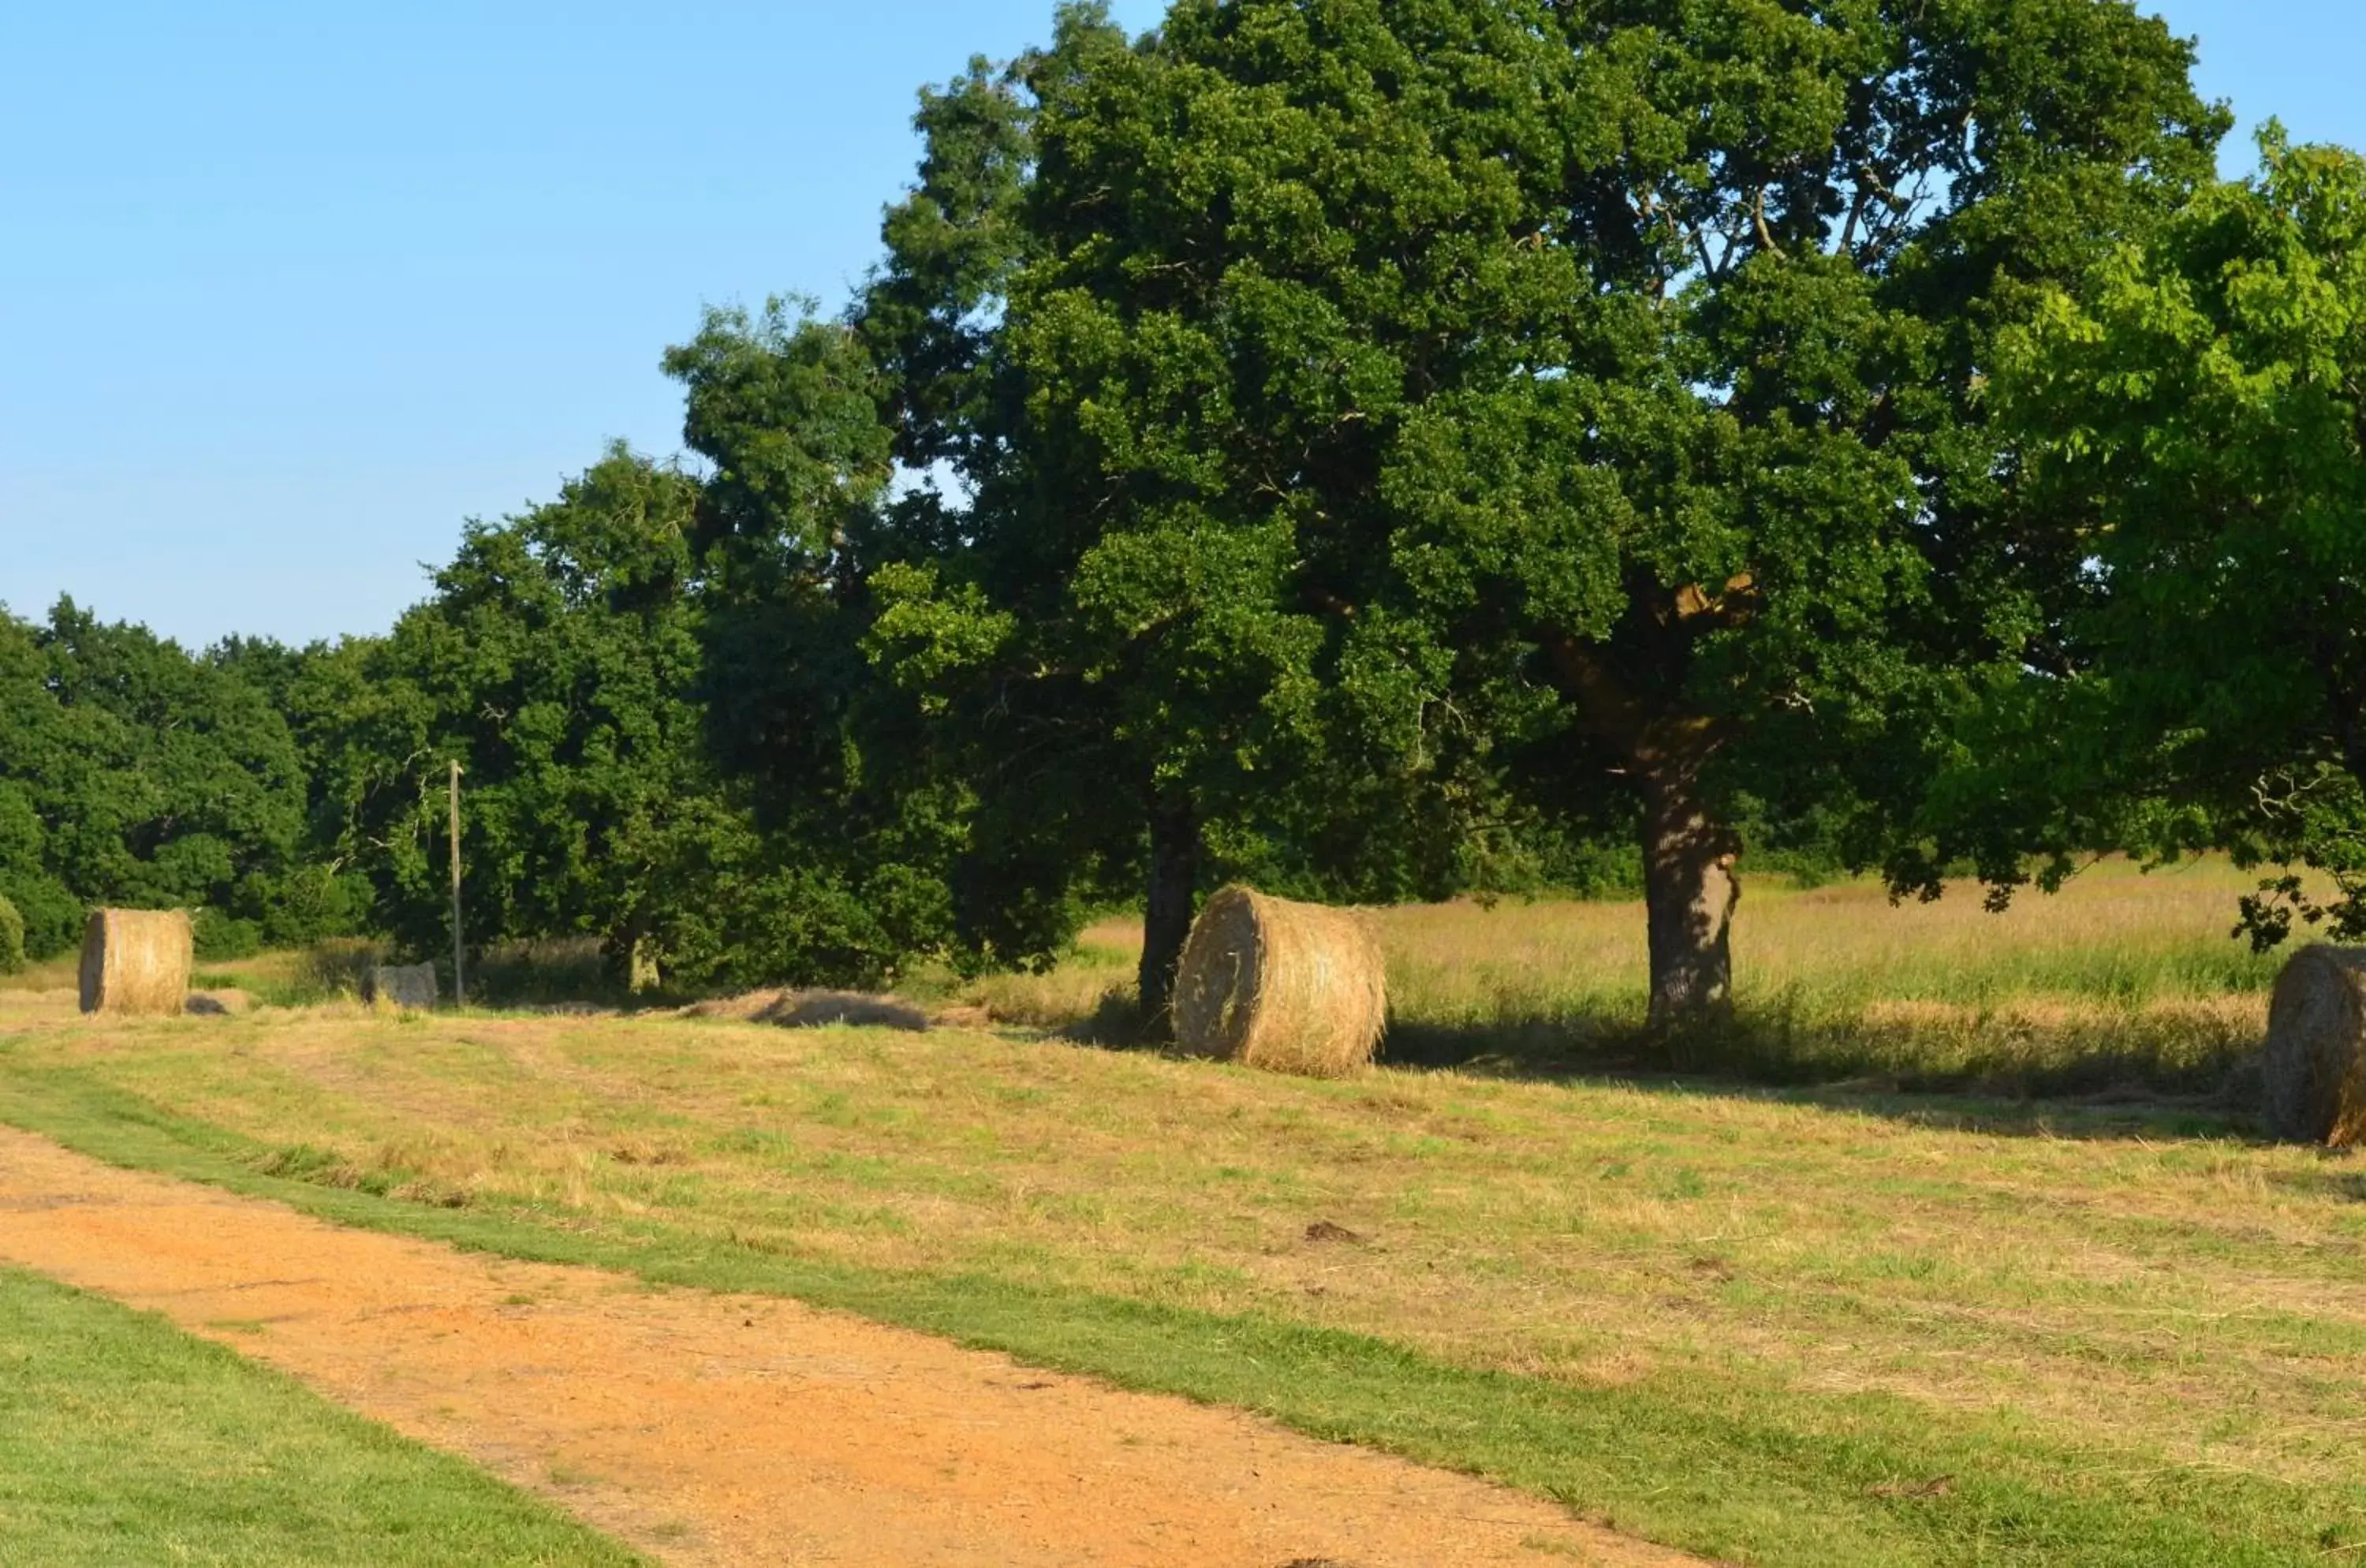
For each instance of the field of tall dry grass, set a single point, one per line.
(2124, 978)
(1840, 1324)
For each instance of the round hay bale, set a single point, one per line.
(2315, 1068)
(1287, 987)
(136, 962)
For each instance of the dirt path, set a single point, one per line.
(749, 1429)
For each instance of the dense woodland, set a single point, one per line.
(1378, 451)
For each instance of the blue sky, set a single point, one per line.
(290, 291)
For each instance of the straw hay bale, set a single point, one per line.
(400, 985)
(1287, 987)
(2315, 1067)
(136, 962)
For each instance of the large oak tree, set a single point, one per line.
(1603, 373)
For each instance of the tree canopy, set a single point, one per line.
(134, 773)
(1383, 451)
(1586, 389)
(2191, 410)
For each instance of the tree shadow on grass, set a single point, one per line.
(2120, 1076)
(2100, 1083)
(1117, 1024)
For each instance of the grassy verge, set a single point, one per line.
(123, 1440)
(1771, 1330)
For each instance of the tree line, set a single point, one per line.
(1379, 450)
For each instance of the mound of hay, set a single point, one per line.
(1287, 987)
(2315, 1068)
(136, 962)
(814, 1009)
(400, 985)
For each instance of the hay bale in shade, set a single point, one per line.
(1287, 987)
(2315, 1067)
(136, 962)
(400, 985)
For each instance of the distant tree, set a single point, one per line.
(563, 661)
(12, 939)
(133, 773)
(552, 661)
(1589, 390)
(842, 773)
(2193, 418)
(38, 745)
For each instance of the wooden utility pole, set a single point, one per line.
(459, 980)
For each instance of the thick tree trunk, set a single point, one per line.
(1689, 887)
(1690, 890)
(1174, 889)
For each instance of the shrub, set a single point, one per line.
(52, 917)
(221, 937)
(12, 939)
(310, 904)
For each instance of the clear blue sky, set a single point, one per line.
(290, 291)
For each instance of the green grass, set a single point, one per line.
(124, 1441)
(1838, 1324)
(1754, 1327)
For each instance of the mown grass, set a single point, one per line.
(124, 1441)
(2123, 979)
(1780, 1328)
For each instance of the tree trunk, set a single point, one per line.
(1689, 887)
(1689, 890)
(1174, 889)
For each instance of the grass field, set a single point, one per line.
(2123, 977)
(1806, 1325)
(125, 1441)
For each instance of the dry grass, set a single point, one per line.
(2138, 1284)
(2127, 1284)
(2124, 978)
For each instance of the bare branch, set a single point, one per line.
(1765, 235)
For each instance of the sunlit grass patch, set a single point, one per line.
(1546, 1247)
(123, 1440)
(2128, 1280)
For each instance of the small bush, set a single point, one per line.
(333, 970)
(222, 938)
(540, 974)
(54, 917)
(12, 939)
(310, 904)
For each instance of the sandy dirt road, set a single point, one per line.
(712, 1429)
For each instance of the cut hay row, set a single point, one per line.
(1287, 987)
(136, 962)
(811, 1009)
